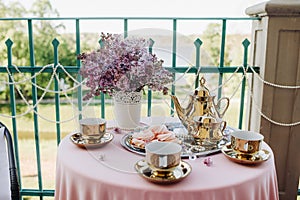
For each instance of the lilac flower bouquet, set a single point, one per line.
(123, 64)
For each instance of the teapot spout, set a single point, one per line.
(179, 109)
(185, 114)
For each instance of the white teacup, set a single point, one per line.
(92, 128)
(246, 141)
(163, 156)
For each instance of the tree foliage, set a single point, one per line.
(44, 31)
(212, 40)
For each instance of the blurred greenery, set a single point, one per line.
(43, 33)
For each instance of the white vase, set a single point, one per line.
(127, 109)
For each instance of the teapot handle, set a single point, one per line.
(224, 126)
(219, 104)
(192, 128)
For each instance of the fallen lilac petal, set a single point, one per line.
(208, 161)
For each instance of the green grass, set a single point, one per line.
(47, 130)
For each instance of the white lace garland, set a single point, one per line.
(77, 84)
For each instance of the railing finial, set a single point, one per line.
(246, 42)
(9, 42)
(151, 42)
(55, 42)
(198, 42)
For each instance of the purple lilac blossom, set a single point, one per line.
(123, 65)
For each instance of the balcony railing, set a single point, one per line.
(56, 69)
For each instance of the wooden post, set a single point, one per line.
(276, 50)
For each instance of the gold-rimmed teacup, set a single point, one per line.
(207, 131)
(92, 128)
(163, 157)
(247, 142)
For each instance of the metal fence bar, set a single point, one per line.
(211, 69)
(246, 44)
(102, 95)
(55, 44)
(125, 27)
(132, 18)
(197, 44)
(34, 100)
(222, 55)
(149, 90)
(178, 69)
(9, 44)
(174, 39)
(78, 64)
(34, 192)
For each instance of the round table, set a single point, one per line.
(108, 173)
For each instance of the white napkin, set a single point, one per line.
(4, 170)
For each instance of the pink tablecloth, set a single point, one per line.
(108, 173)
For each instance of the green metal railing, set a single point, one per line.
(33, 69)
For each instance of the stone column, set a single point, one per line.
(276, 50)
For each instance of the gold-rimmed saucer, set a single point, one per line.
(243, 158)
(77, 139)
(173, 176)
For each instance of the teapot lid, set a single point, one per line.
(202, 91)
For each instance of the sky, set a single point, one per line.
(151, 8)
(166, 8)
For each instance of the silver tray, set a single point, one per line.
(189, 149)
